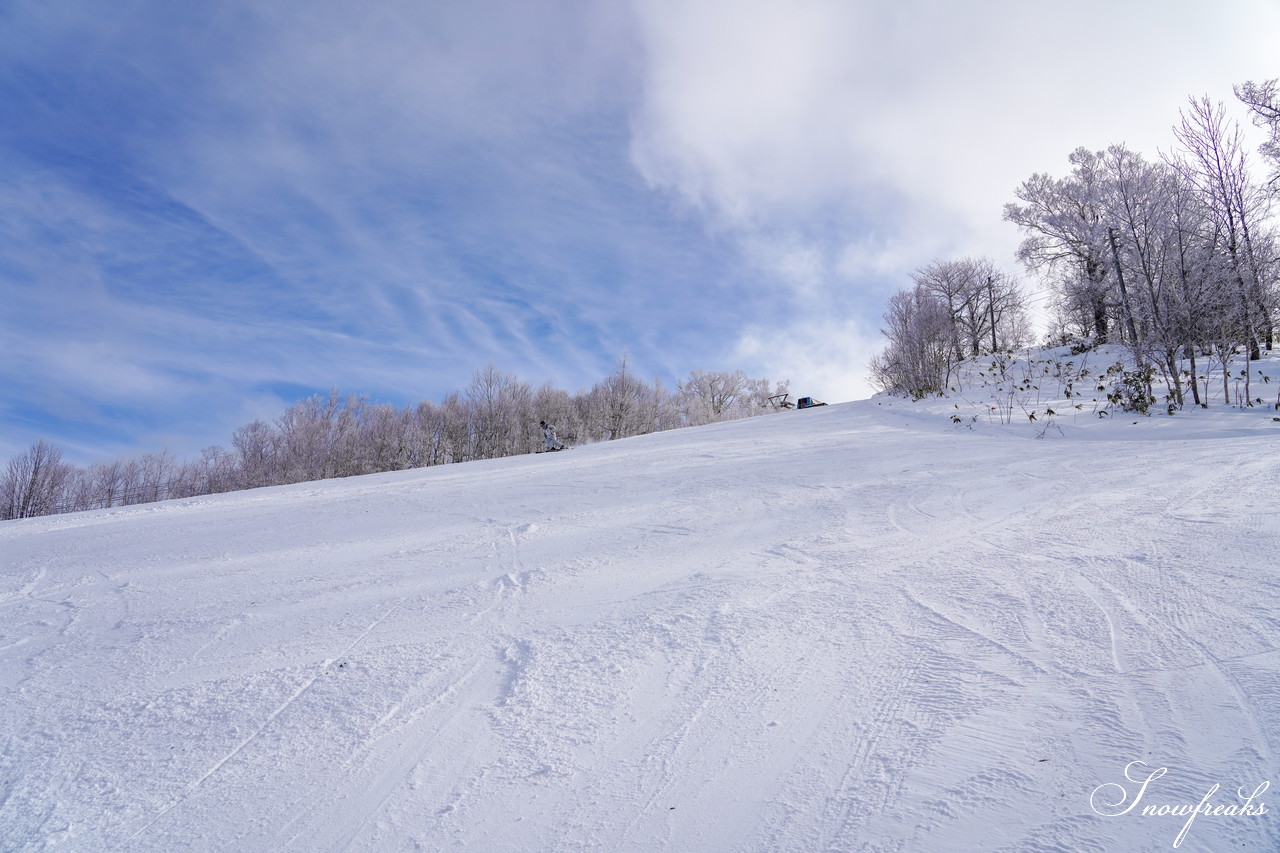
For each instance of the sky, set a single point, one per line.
(211, 210)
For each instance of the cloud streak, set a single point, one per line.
(288, 197)
(206, 211)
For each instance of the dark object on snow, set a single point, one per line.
(783, 401)
(808, 403)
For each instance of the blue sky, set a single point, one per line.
(209, 210)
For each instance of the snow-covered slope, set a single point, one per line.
(861, 627)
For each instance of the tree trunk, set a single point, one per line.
(1100, 321)
(991, 311)
(1171, 362)
(1195, 388)
(1124, 292)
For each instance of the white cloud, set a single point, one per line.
(737, 112)
(758, 110)
(823, 356)
(879, 136)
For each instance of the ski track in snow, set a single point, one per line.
(846, 629)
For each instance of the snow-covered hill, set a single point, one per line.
(862, 627)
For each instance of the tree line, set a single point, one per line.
(1176, 258)
(337, 435)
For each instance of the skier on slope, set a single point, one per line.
(549, 433)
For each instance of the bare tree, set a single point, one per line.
(331, 435)
(556, 407)
(501, 409)
(214, 472)
(385, 439)
(428, 437)
(257, 450)
(35, 482)
(458, 439)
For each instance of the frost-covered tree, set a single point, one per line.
(1160, 256)
(718, 395)
(922, 347)
(1167, 246)
(1213, 161)
(1067, 238)
(1139, 214)
(386, 440)
(986, 305)
(954, 309)
(762, 393)
(710, 396)
(316, 438)
(616, 406)
(1263, 100)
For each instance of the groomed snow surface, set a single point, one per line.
(857, 628)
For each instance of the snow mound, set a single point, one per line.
(1062, 393)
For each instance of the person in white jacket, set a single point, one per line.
(549, 433)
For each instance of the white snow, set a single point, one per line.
(861, 627)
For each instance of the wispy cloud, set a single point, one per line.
(208, 209)
(259, 198)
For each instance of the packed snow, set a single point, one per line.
(863, 627)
